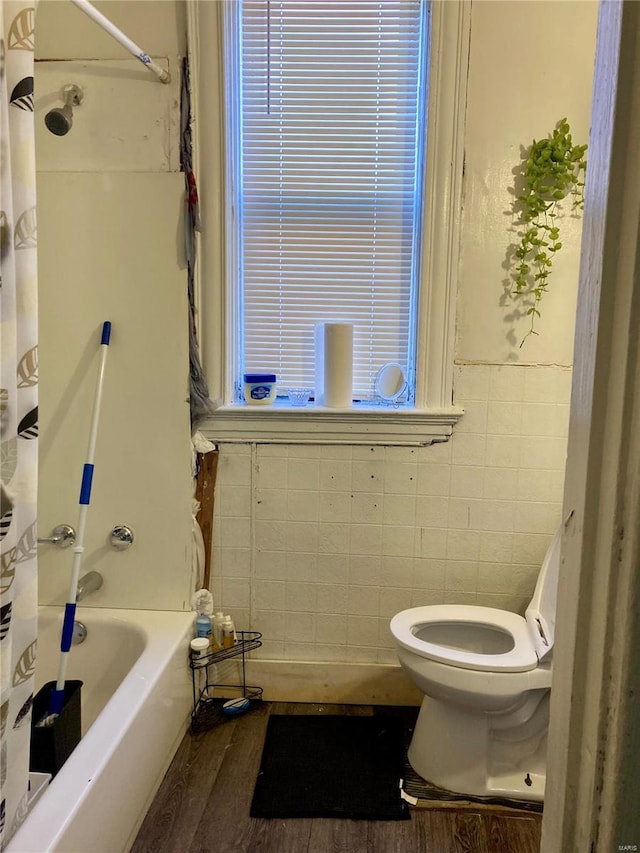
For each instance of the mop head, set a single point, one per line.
(56, 702)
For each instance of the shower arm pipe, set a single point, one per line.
(124, 40)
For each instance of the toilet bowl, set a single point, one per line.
(486, 676)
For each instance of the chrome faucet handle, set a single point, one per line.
(63, 536)
(121, 537)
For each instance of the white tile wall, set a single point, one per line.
(318, 546)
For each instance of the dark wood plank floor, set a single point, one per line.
(203, 806)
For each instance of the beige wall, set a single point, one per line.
(315, 546)
(318, 546)
(110, 200)
(526, 72)
(65, 32)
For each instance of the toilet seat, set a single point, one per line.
(520, 658)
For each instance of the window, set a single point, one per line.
(330, 99)
(324, 181)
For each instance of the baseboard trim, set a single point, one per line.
(341, 683)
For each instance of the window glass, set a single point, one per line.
(330, 99)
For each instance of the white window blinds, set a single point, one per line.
(332, 100)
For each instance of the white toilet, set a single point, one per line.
(486, 675)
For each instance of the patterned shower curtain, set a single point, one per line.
(18, 408)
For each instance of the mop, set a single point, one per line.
(56, 697)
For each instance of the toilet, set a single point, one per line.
(486, 676)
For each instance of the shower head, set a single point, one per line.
(60, 119)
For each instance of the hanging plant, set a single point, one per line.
(553, 169)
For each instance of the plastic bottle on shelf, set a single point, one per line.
(215, 645)
(199, 655)
(228, 633)
(233, 626)
(218, 621)
(203, 627)
(203, 605)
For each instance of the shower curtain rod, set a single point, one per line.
(125, 41)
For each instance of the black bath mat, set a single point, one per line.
(331, 766)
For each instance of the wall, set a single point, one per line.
(318, 546)
(110, 199)
(523, 78)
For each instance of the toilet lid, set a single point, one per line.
(519, 658)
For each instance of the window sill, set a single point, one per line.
(319, 425)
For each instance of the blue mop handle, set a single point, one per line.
(56, 699)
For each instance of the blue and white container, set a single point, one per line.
(259, 388)
(203, 626)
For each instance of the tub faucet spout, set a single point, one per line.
(91, 582)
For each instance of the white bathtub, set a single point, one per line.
(136, 700)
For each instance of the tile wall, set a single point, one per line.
(318, 546)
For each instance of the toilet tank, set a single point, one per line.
(541, 612)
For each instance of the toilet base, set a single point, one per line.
(482, 755)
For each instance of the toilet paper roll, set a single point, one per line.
(334, 365)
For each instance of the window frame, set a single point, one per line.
(434, 414)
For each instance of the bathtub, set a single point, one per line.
(136, 700)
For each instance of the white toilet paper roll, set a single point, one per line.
(334, 365)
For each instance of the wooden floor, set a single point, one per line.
(203, 806)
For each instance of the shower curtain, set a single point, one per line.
(18, 409)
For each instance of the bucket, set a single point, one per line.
(52, 745)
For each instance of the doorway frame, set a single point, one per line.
(593, 778)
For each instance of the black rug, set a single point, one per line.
(331, 766)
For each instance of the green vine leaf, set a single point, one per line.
(553, 170)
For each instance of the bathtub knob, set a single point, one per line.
(63, 535)
(121, 537)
